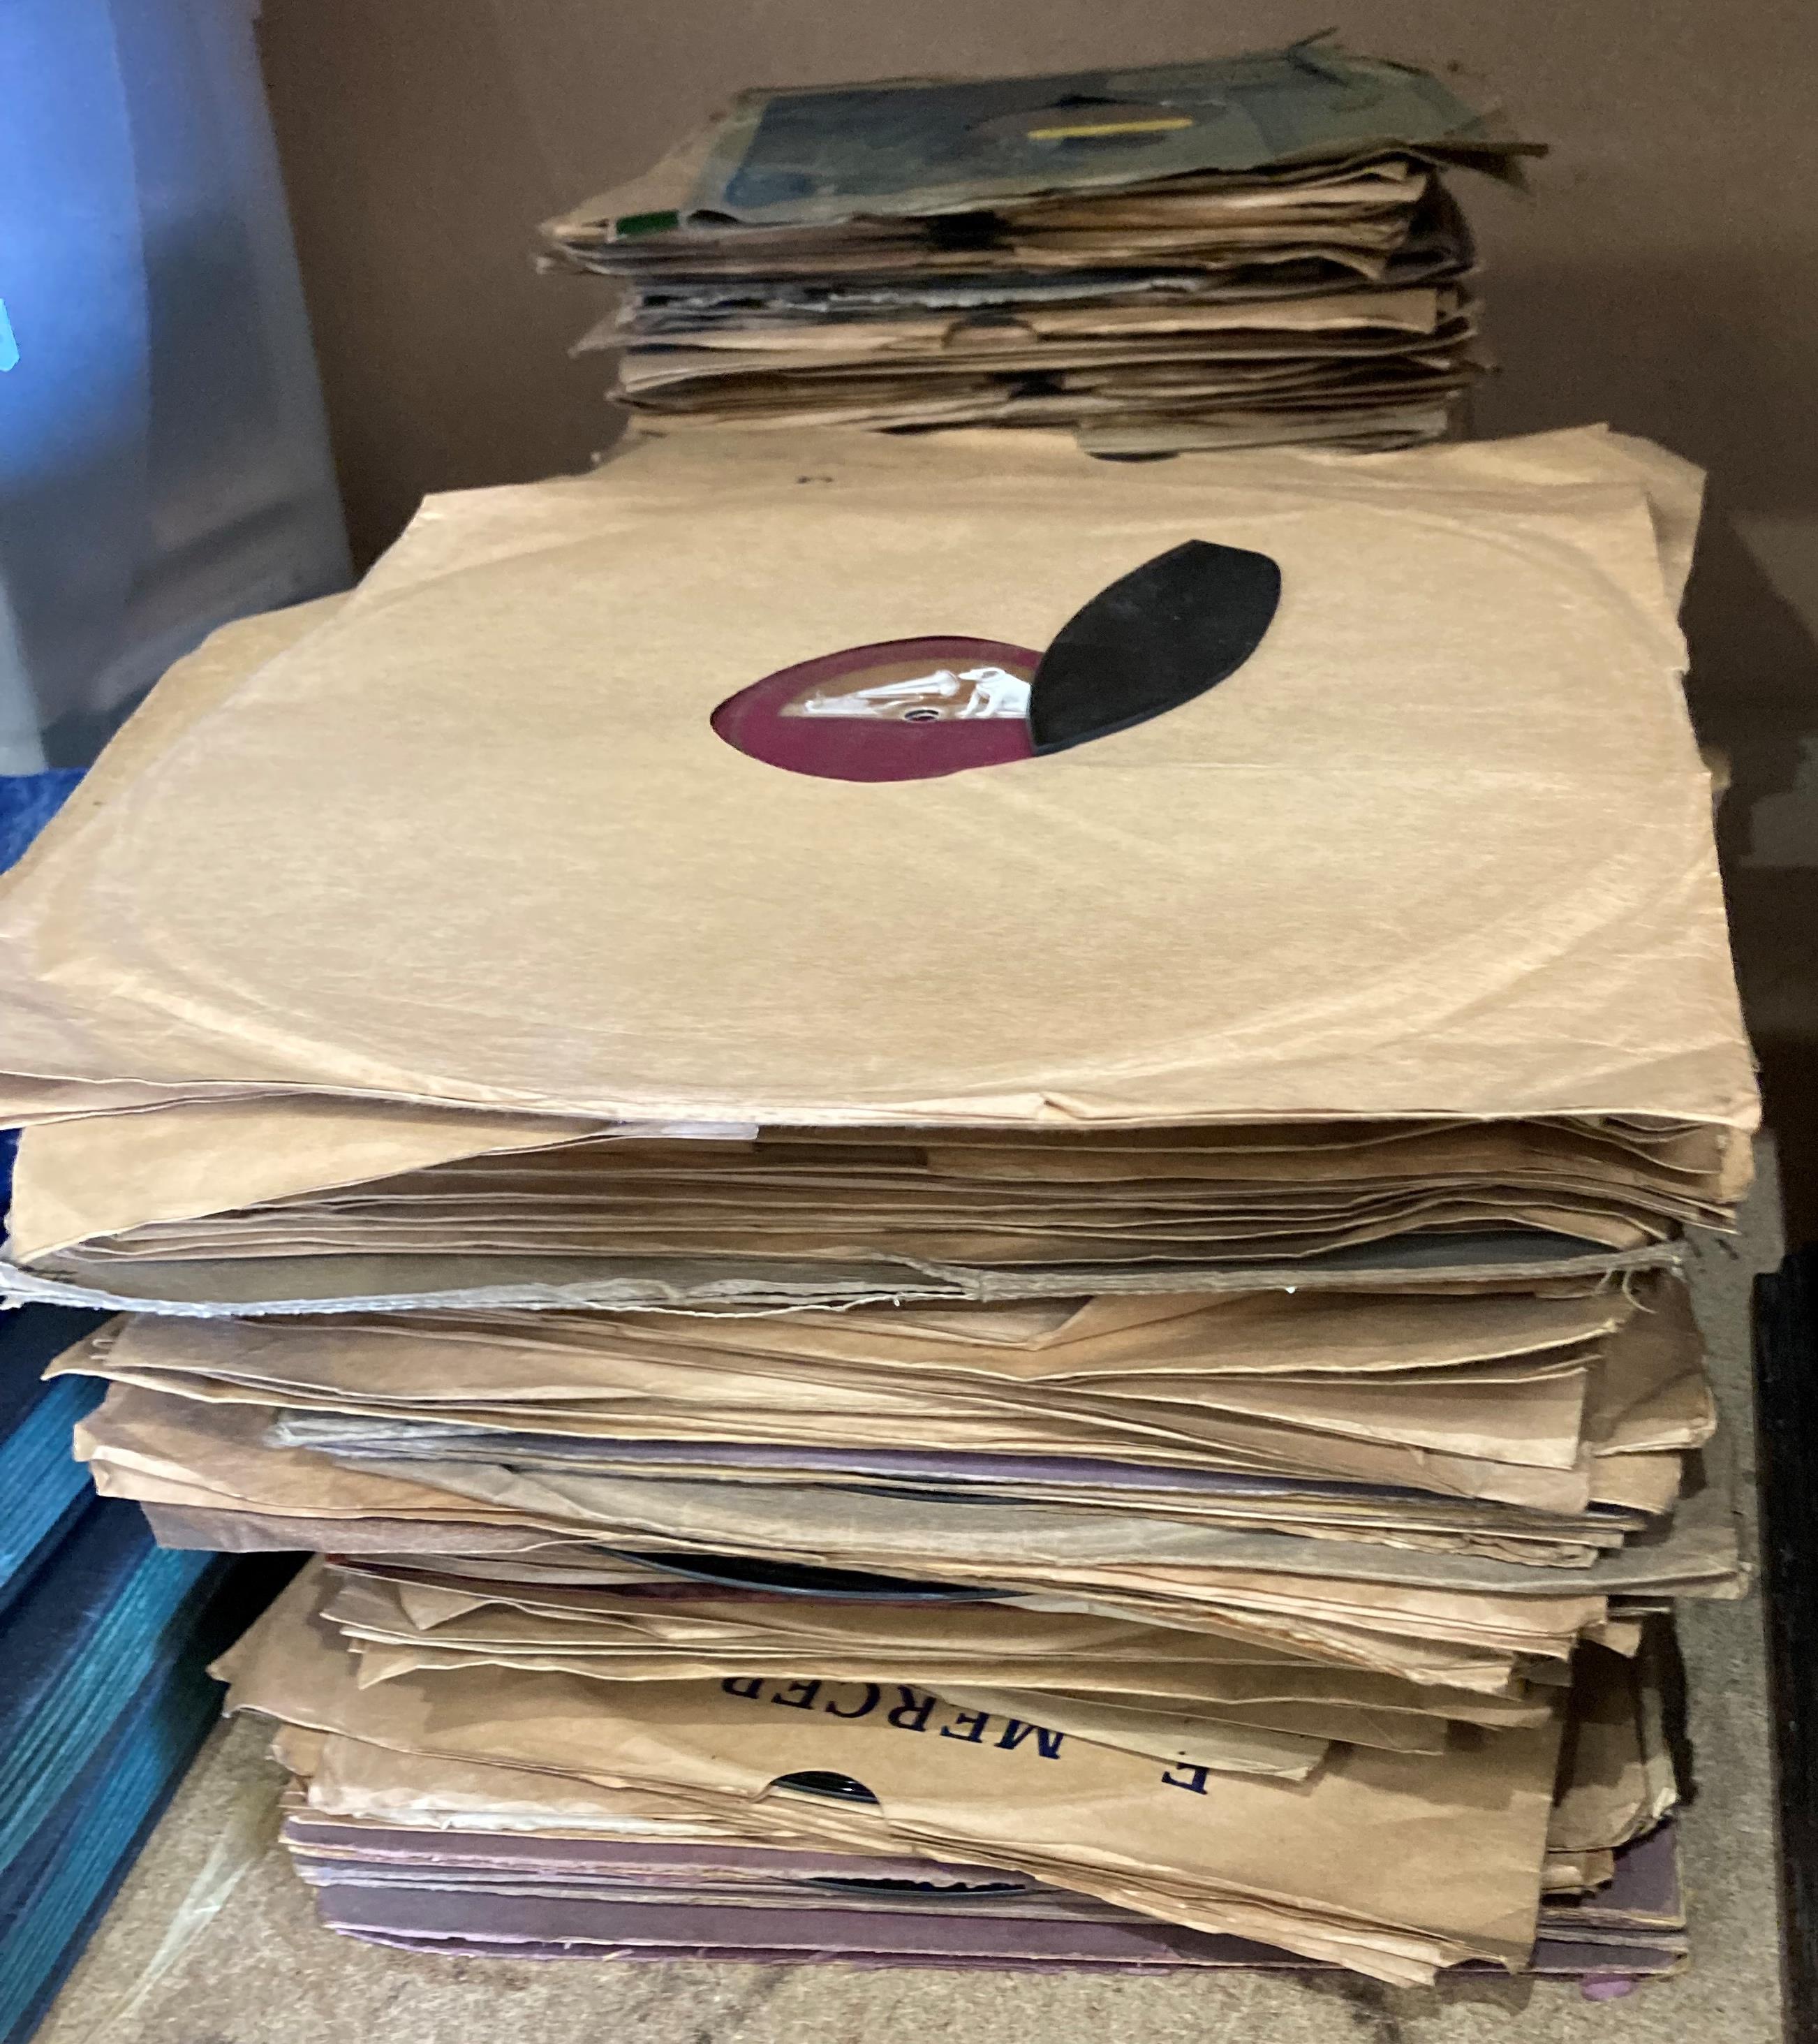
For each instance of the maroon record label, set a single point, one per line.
(907, 709)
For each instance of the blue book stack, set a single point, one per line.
(104, 1637)
(43, 1490)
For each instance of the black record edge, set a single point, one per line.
(1786, 1393)
(1157, 638)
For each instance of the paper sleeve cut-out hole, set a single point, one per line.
(911, 709)
(818, 1782)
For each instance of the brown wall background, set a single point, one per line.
(1663, 276)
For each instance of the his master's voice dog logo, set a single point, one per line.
(908, 709)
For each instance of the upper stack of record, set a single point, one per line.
(868, 867)
(1257, 251)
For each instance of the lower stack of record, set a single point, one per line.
(1179, 1611)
